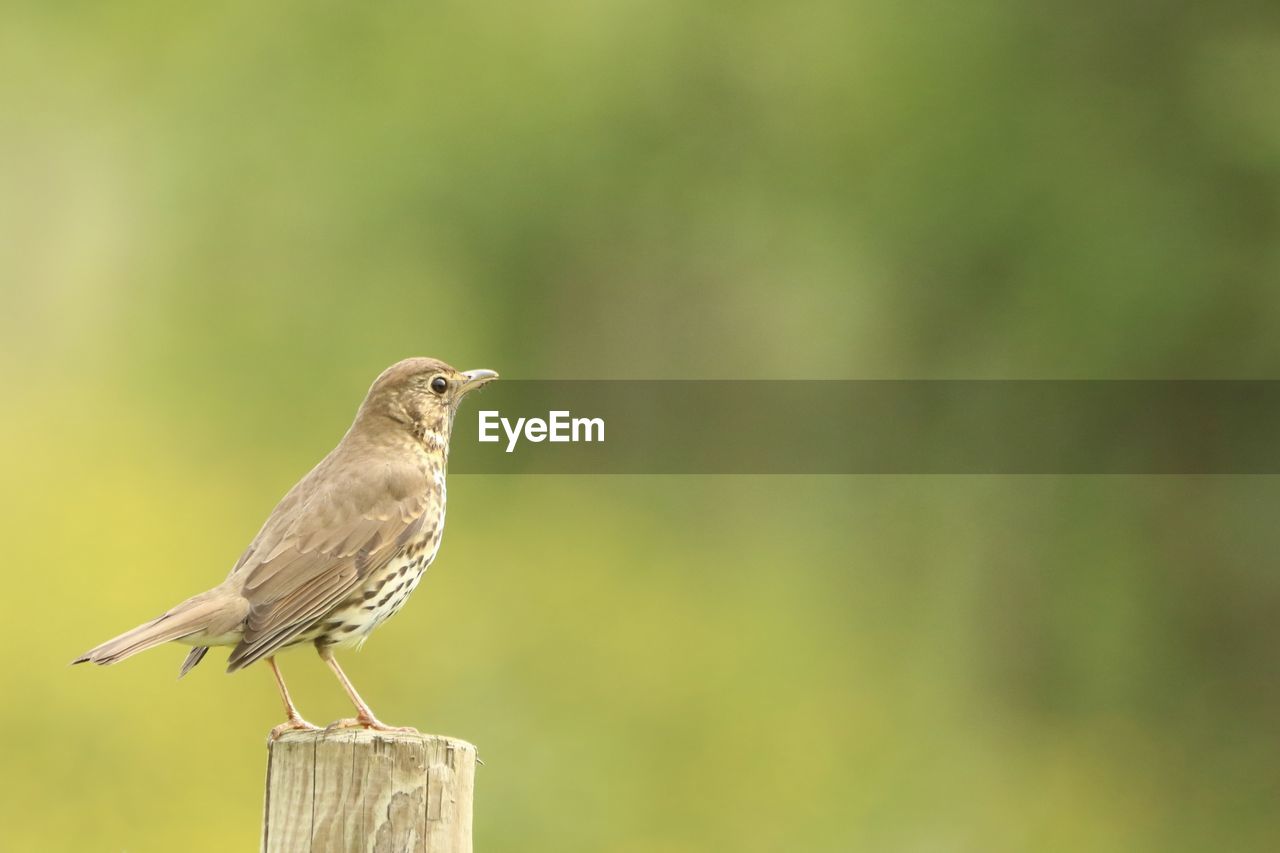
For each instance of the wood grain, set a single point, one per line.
(360, 790)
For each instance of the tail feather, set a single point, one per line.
(190, 617)
(193, 657)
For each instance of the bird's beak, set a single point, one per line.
(476, 378)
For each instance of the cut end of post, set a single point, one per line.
(358, 789)
(357, 735)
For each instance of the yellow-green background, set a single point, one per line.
(218, 222)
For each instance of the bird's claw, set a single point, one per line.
(368, 722)
(293, 724)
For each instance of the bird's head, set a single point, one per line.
(422, 394)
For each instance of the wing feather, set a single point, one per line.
(309, 558)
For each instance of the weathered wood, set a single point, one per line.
(360, 790)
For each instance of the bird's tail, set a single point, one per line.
(190, 617)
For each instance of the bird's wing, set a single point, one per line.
(320, 543)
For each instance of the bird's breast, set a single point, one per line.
(383, 592)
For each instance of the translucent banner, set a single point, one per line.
(869, 427)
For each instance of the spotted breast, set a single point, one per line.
(386, 589)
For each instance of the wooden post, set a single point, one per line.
(360, 790)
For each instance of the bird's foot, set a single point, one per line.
(293, 724)
(368, 721)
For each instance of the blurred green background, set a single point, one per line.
(218, 223)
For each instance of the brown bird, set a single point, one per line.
(341, 551)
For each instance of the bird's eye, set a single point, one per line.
(439, 385)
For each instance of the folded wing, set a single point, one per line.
(315, 552)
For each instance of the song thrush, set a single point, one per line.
(342, 550)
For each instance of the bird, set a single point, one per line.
(341, 551)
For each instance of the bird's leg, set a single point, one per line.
(364, 716)
(295, 721)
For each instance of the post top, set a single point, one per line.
(370, 736)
